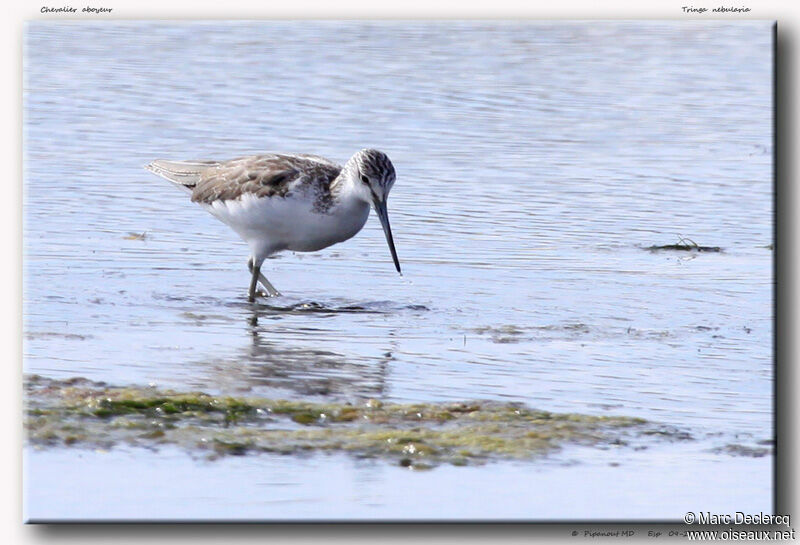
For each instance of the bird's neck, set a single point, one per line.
(347, 187)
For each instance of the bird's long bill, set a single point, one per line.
(383, 215)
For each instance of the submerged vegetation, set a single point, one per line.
(79, 412)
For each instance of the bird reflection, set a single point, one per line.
(273, 365)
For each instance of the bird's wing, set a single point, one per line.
(263, 176)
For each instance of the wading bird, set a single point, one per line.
(277, 202)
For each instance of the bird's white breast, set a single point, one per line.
(271, 224)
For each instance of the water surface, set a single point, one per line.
(535, 162)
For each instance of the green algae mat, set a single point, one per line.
(82, 413)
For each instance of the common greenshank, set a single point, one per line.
(277, 202)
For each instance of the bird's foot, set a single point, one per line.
(262, 293)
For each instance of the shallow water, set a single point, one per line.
(535, 163)
(262, 488)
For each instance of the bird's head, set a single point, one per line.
(372, 175)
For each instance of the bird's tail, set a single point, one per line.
(182, 173)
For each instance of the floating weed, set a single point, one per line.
(743, 450)
(420, 436)
(684, 244)
(509, 333)
(306, 418)
(230, 447)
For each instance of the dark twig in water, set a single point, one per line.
(685, 244)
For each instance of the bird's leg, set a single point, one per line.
(258, 277)
(251, 294)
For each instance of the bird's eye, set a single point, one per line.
(365, 179)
